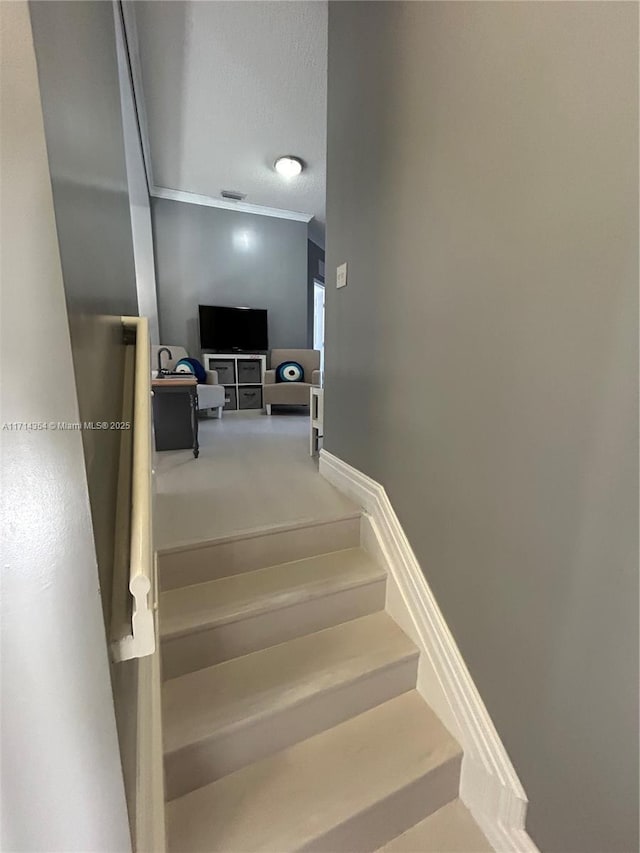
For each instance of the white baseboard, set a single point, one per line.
(489, 785)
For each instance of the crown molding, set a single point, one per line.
(225, 204)
(131, 38)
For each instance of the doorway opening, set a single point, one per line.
(318, 320)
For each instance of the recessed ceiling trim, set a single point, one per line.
(242, 206)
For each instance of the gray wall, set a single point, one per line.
(61, 777)
(139, 201)
(209, 256)
(482, 361)
(77, 66)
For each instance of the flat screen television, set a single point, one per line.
(224, 329)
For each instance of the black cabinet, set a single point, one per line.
(175, 416)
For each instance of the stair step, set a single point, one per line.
(449, 830)
(351, 788)
(207, 623)
(224, 717)
(199, 562)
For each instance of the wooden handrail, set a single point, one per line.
(133, 634)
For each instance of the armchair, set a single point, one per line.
(210, 394)
(291, 393)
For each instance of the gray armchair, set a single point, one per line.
(291, 393)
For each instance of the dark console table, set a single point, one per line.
(175, 413)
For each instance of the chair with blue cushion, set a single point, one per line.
(210, 394)
(279, 390)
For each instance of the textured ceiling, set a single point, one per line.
(229, 87)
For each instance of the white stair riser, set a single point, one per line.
(207, 647)
(210, 759)
(368, 830)
(205, 562)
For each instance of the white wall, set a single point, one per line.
(61, 780)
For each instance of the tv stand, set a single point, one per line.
(242, 375)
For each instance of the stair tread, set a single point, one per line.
(259, 531)
(449, 830)
(239, 596)
(257, 685)
(287, 800)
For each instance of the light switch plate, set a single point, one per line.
(341, 276)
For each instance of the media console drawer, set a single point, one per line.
(250, 398)
(249, 371)
(226, 370)
(230, 400)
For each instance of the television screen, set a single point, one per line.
(225, 329)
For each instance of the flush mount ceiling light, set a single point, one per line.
(288, 167)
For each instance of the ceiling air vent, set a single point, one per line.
(232, 195)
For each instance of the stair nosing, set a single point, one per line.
(272, 566)
(256, 532)
(445, 751)
(458, 815)
(234, 726)
(331, 587)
